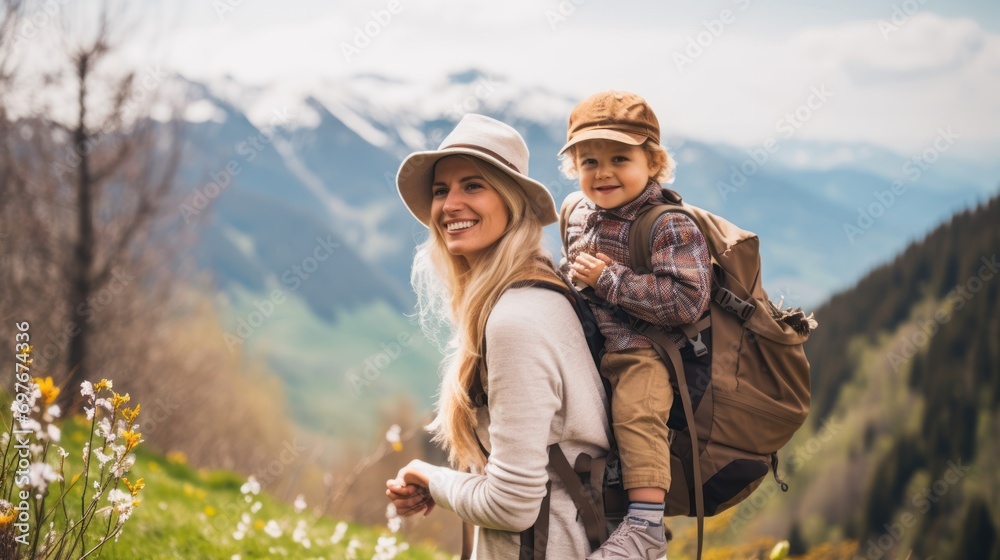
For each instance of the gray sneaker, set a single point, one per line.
(634, 539)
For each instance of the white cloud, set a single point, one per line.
(890, 89)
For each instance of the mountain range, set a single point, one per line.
(287, 172)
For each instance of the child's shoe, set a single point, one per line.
(635, 539)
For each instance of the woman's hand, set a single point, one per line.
(409, 490)
(588, 268)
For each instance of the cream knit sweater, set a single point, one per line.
(543, 389)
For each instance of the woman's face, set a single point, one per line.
(469, 211)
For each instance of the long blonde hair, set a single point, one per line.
(454, 302)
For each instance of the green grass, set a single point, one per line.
(193, 514)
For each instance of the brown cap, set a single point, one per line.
(612, 115)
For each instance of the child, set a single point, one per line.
(613, 146)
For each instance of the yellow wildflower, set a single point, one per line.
(7, 515)
(209, 511)
(130, 413)
(177, 457)
(258, 524)
(102, 384)
(134, 488)
(48, 388)
(118, 400)
(131, 438)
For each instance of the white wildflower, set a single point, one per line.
(40, 475)
(251, 486)
(53, 432)
(104, 430)
(395, 522)
(256, 507)
(299, 534)
(338, 532)
(87, 389)
(102, 458)
(31, 424)
(105, 403)
(122, 466)
(62, 452)
(352, 549)
(386, 549)
(300, 503)
(272, 529)
(122, 502)
(392, 436)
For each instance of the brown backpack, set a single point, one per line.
(743, 379)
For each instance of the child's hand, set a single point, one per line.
(588, 268)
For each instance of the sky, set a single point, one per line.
(887, 72)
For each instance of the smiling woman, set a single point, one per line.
(483, 273)
(467, 205)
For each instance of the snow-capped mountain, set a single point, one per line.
(331, 155)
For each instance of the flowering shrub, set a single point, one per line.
(49, 516)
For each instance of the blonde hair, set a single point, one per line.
(454, 302)
(658, 158)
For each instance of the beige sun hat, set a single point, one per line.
(487, 139)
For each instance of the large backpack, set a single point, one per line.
(742, 380)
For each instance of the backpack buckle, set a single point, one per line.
(699, 347)
(613, 472)
(731, 303)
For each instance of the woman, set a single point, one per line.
(485, 217)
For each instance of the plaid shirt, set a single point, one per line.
(676, 293)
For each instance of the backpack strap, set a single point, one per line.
(670, 355)
(640, 242)
(597, 532)
(568, 206)
(640, 234)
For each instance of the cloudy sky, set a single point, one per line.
(891, 72)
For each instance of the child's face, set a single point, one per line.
(612, 174)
